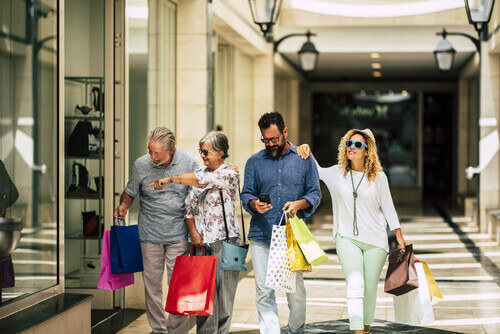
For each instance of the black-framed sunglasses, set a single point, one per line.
(204, 152)
(357, 144)
(274, 140)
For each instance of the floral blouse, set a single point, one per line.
(204, 204)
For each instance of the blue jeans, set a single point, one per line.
(266, 300)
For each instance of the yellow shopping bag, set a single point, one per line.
(297, 260)
(436, 295)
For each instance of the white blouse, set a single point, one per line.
(204, 204)
(374, 206)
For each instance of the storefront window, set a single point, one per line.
(392, 116)
(28, 147)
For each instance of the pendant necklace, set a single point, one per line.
(355, 196)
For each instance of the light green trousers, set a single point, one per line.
(362, 264)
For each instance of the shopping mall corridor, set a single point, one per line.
(464, 262)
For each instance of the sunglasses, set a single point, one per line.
(204, 152)
(357, 144)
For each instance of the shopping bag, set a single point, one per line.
(308, 244)
(7, 279)
(297, 260)
(192, 285)
(125, 249)
(414, 307)
(401, 275)
(434, 291)
(107, 280)
(279, 277)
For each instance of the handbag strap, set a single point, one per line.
(224, 214)
(242, 220)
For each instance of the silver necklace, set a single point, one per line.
(355, 196)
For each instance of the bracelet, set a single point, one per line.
(172, 179)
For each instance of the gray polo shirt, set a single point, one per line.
(161, 213)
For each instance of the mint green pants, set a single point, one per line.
(362, 264)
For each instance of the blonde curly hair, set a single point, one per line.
(372, 162)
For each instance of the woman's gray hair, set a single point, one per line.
(218, 141)
(163, 135)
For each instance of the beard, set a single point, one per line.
(159, 162)
(275, 151)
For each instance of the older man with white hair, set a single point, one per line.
(162, 229)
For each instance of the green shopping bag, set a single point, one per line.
(313, 252)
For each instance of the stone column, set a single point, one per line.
(293, 121)
(263, 94)
(193, 73)
(489, 184)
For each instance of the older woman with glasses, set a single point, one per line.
(362, 205)
(204, 216)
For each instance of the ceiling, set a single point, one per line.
(402, 32)
(394, 66)
(373, 8)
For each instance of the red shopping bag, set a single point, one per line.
(107, 280)
(192, 286)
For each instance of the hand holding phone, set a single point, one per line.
(265, 198)
(263, 204)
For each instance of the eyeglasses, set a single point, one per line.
(274, 140)
(357, 144)
(204, 152)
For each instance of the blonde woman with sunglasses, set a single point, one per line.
(362, 206)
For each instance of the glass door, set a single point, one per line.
(28, 148)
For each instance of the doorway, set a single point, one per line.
(437, 146)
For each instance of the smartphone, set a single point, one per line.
(265, 198)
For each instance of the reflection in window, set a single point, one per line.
(392, 116)
(28, 150)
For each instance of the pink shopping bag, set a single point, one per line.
(107, 280)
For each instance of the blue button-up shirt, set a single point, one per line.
(286, 178)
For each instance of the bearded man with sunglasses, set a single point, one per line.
(292, 185)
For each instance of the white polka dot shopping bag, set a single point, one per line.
(279, 277)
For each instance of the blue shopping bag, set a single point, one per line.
(125, 249)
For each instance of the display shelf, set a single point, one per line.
(80, 236)
(83, 197)
(85, 80)
(79, 118)
(90, 157)
(88, 168)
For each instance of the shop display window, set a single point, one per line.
(29, 223)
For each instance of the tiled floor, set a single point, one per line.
(464, 262)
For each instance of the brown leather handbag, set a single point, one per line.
(401, 274)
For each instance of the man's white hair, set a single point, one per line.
(163, 135)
